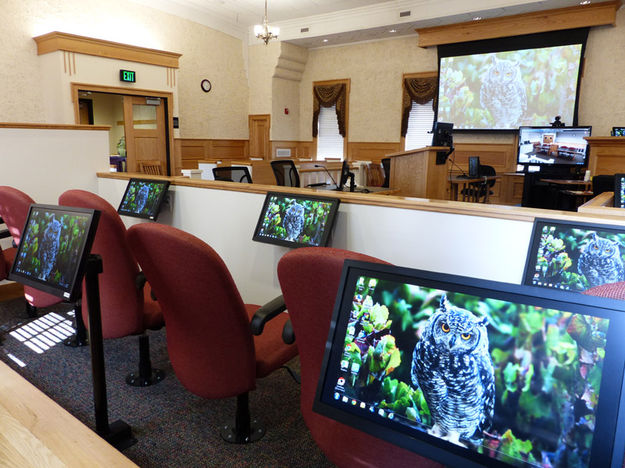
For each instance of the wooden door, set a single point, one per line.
(144, 128)
(259, 136)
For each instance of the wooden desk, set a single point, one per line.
(468, 183)
(584, 185)
(579, 190)
(35, 431)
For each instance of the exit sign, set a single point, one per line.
(128, 76)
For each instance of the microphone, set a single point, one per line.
(329, 175)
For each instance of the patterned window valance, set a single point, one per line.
(420, 90)
(328, 96)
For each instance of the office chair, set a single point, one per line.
(602, 183)
(14, 207)
(232, 174)
(209, 335)
(6, 255)
(386, 164)
(482, 189)
(126, 304)
(150, 167)
(309, 278)
(285, 173)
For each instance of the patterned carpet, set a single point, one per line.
(173, 427)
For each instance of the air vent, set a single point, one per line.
(304, 30)
(283, 152)
(403, 14)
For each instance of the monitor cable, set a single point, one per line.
(329, 175)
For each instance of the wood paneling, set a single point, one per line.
(607, 155)
(370, 151)
(54, 41)
(299, 149)
(259, 126)
(10, 291)
(191, 150)
(54, 126)
(595, 14)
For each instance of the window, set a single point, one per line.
(420, 121)
(329, 140)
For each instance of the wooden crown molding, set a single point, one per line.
(47, 126)
(54, 41)
(594, 14)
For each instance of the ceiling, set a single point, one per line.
(322, 23)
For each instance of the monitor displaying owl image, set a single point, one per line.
(295, 221)
(575, 257)
(515, 382)
(143, 198)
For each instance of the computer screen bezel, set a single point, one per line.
(330, 222)
(158, 205)
(616, 130)
(534, 245)
(73, 290)
(555, 130)
(619, 185)
(608, 443)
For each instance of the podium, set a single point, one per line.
(414, 173)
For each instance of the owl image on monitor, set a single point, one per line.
(452, 366)
(503, 94)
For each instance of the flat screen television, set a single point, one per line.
(143, 198)
(55, 243)
(618, 131)
(473, 373)
(553, 146)
(474, 166)
(574, 256)
(296, 220)
(502, 84)
(345, 177)
(619, 190)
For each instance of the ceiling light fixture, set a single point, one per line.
(392, 30)
(477, 18)
(264, 31)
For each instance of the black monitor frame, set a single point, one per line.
(619, 190)
(346, 175)
(566, 278)
(442, 135)
(618, 131)
(156, 205)
(72, 289)
(327, 230)
(608, 443)
(551, 129)
(474, 166)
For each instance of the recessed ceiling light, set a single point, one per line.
(477, 18)
(585, 2)
(392, 30)
(325, 40)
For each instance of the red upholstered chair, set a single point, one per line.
(6, 255)
(609, 290)
(127, 308)
(209, 339)
(309, 278)
(14, 206)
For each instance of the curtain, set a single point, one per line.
(328, 96)
(420, 90)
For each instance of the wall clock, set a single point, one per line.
(206, 85)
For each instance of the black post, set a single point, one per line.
(80, 337)
(118, 434)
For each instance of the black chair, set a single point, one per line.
(232, 174)
(481, 190)
(602, 183)
(386, 164)
(285, 173)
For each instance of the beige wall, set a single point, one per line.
(262, 60)
(206, 53)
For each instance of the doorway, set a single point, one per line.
(141, 132)
(259, 136)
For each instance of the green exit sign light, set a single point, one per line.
(128, 76)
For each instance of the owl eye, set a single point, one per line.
(445, 327)
(595, 247)
(608, 250)
(465, 336)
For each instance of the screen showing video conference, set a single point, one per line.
(553, 145)
(574, 256)
(143, 198)
(53, 246)
(296, 221)
(491, 375)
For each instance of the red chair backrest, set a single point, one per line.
(121, 301)
(609, 290)
(208, 332)
(14, 205)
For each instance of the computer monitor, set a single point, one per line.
(442, 136)
(619, 190)
(296, 220)
(618, 131)
(574, 256)
(474, 166)
(473, 373)
(143, 198)
(55, 243)
(345, 176)
(553, 146)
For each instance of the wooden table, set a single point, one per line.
(468, 183)
(35, 431)
(579, 190)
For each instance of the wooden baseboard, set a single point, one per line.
(10, 291)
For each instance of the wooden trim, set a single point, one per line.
(42, 126)
(603, 205)
(390, 201)
(56, 40)
(426, 74)
(594, 14)
(10, 291)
